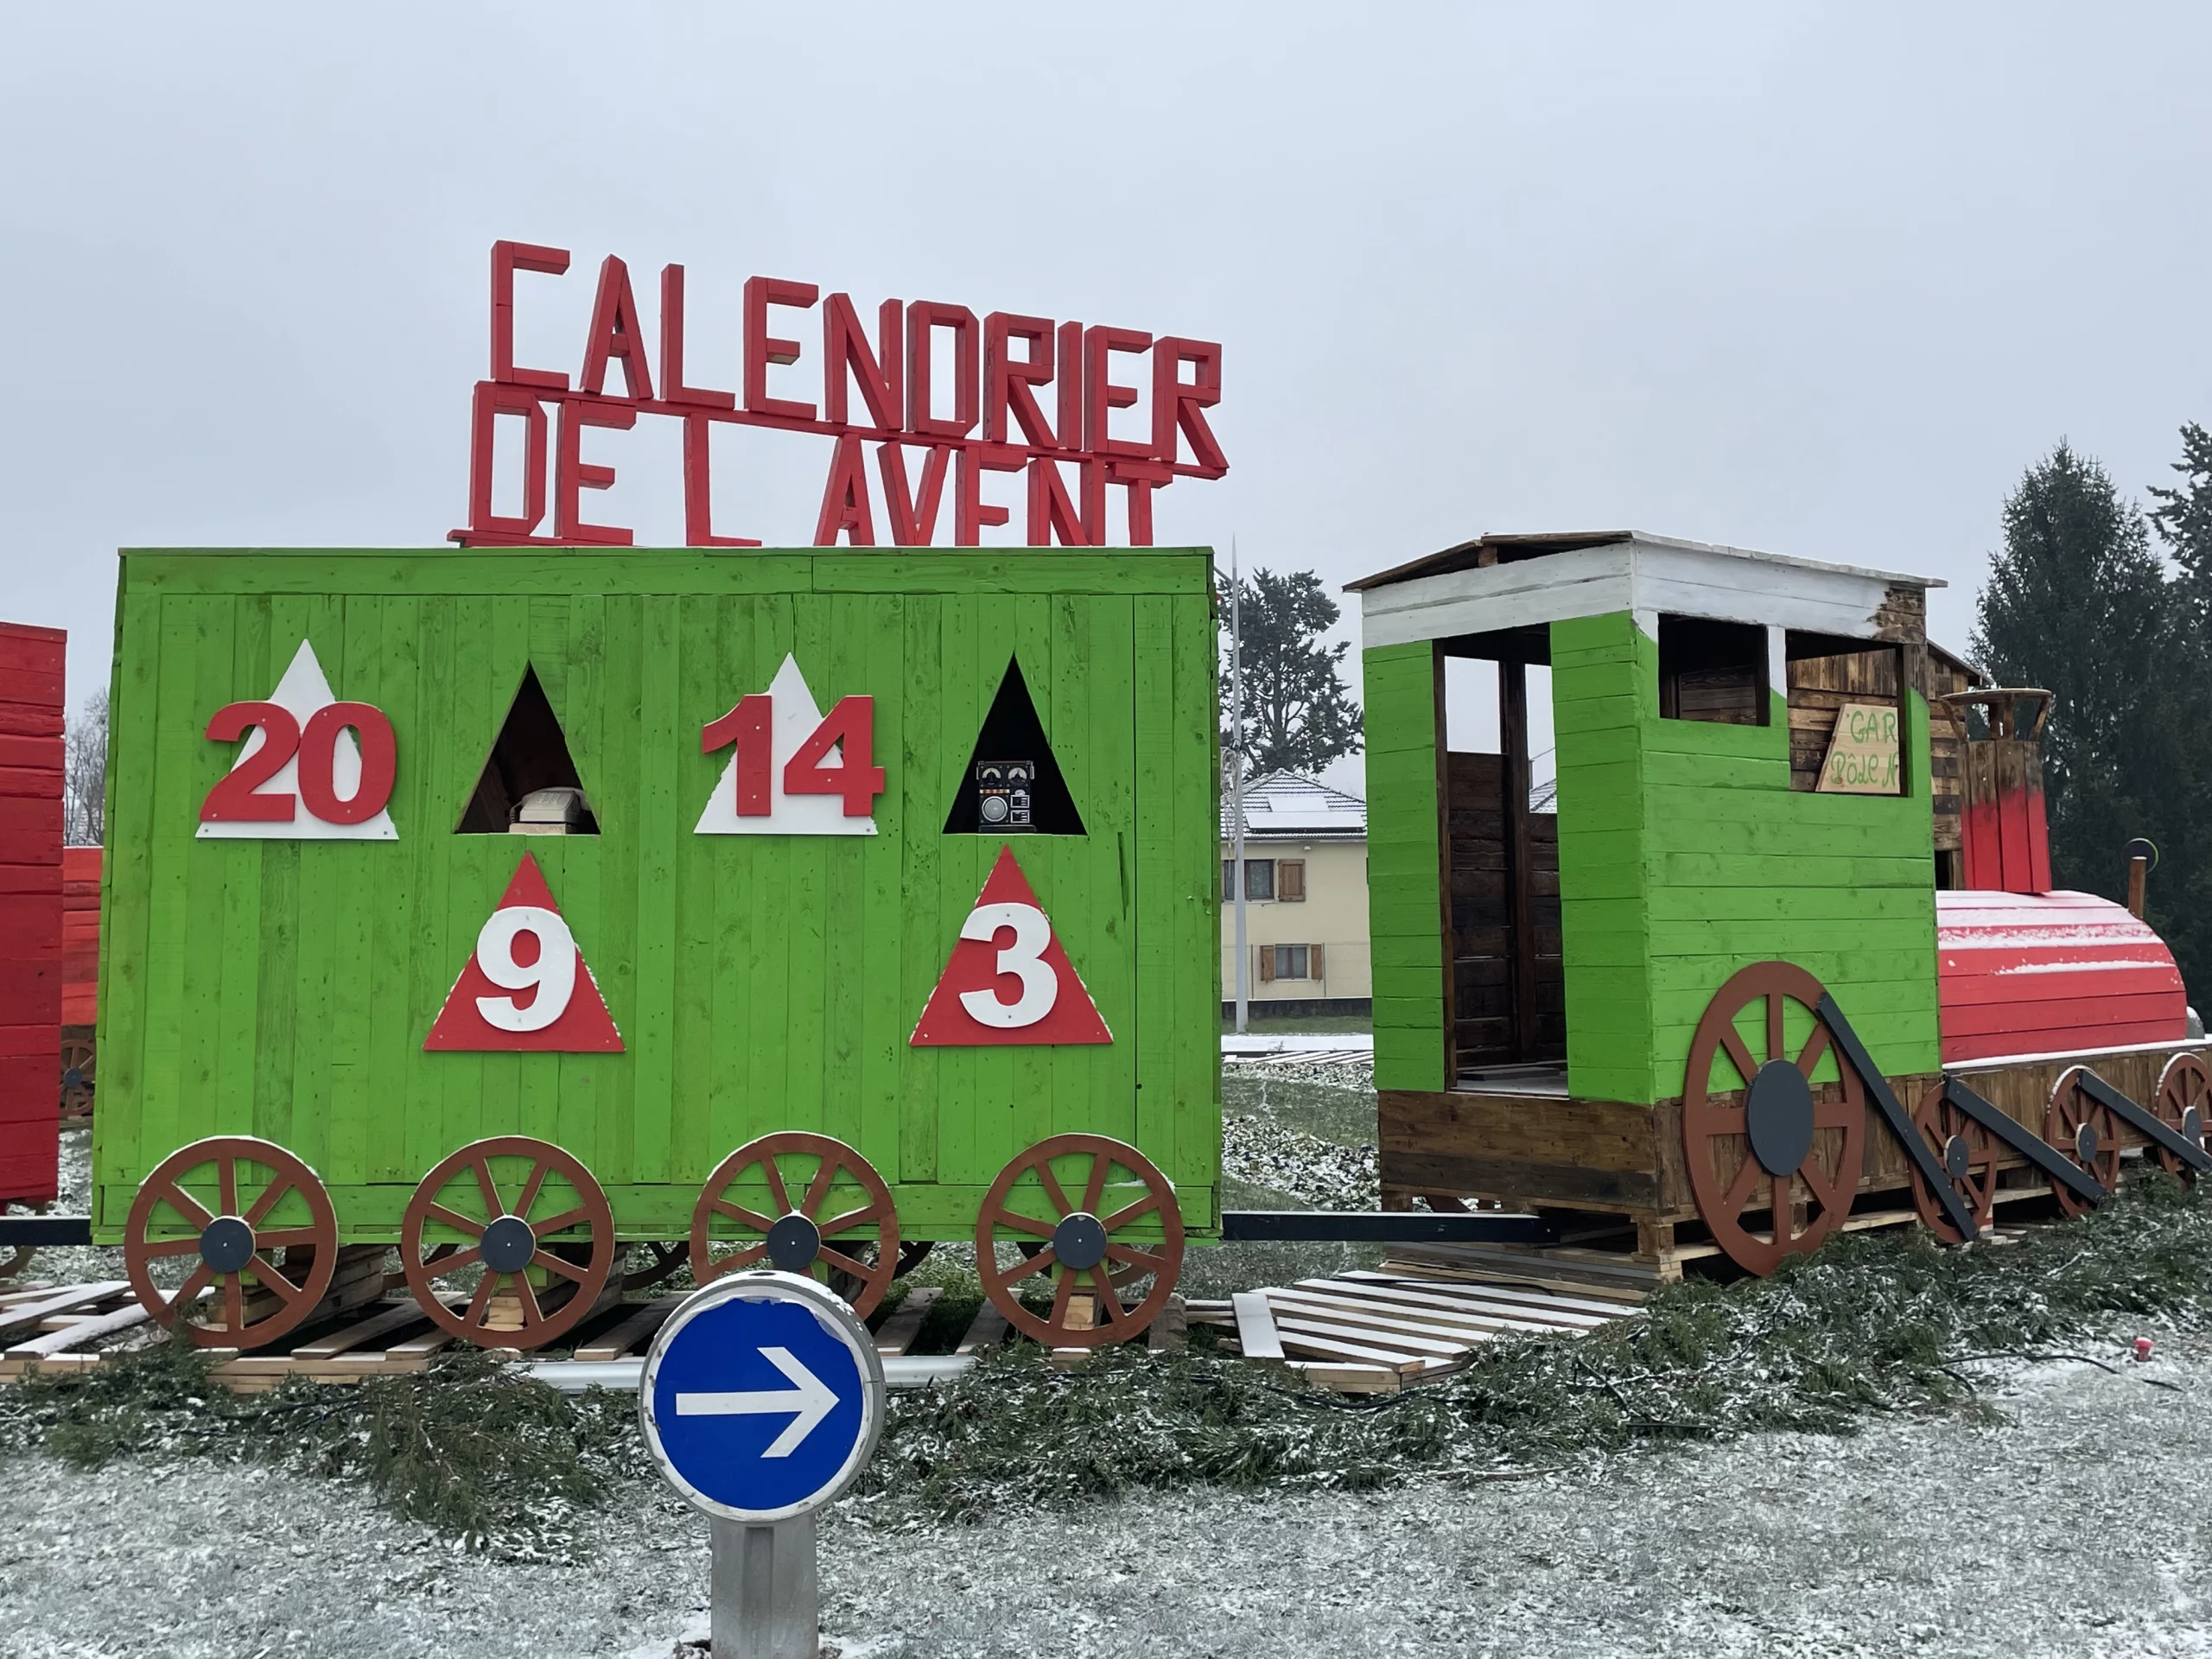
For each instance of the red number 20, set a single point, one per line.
(236, 797)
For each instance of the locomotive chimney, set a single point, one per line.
(2005, 838)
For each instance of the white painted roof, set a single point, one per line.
(1538, 580)
(1288, 804)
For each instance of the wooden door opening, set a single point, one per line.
(1505, 990)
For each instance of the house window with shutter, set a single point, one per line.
(1290, 881)
(1259, 879)
(1286, 961)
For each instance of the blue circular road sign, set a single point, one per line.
(762, 1397)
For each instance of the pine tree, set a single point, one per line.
(2184, 517)
(2077, 602)
(1298, 716)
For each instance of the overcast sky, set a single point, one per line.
(1816, 279)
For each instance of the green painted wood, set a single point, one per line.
(1685, 855)
(1406, 917)
(761, 984)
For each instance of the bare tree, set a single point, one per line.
(84, 777)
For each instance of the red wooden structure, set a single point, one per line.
(81, 938)
(2048, 973)
(30, 909)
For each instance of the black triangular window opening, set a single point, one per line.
(1013, 785)
(518, 790)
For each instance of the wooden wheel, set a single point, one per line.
(541, 1261)
(2184, 1102)
(1768, 1135)
(78, 1062)
(2079, 1127)
(661, 1261)
(1076, 1239)
(843, 1229)
(252, 1199)
(1966, 1153)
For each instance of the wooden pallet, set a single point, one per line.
(54, 1327)
(1366, 1333)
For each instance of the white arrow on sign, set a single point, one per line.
(811, 1400)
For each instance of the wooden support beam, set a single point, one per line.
(1520, 855)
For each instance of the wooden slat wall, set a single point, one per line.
(1819, 686)
(1481, 919)
(283, 988)
(31, 669)
(1686, 855)
(1405, 865)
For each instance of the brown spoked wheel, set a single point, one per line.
(77, 1064)
(2184, 1102)
(1092, 1234)
(804, 1203)
(2081, 1128)
(1966, 1153)
(221, 1210)
(650, 1262)
(1762, 1132)
(516, 1229)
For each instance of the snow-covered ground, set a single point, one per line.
(2078, 1528)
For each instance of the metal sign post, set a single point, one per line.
(762, 1399)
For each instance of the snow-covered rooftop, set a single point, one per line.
(1289, 803)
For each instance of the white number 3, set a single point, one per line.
(1025, 957)
(553, 973)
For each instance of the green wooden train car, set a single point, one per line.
(529, 910)
(1748, 965)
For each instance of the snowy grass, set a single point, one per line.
(1868, 1327)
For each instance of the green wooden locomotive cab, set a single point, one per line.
(1540, 977)
(754, 981)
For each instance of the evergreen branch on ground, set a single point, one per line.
(1868, 1326)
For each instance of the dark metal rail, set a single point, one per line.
(1382, 1227)
(43, 1231)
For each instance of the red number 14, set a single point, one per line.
(849, 727)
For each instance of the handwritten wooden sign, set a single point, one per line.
(1864, 753)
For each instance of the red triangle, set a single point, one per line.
(582, 1026)
(1069, 1015)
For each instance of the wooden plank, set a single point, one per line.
(1414, 1304)
(1349, 1379)
(63, 1301)
(1519, 1315)
(638, 1327)
(424, 1346)
(1256, 1326)
(1331, 1316)
(394, 1317)
(987, 1330)
(1329, 1348)
(896, 1333)
(1293, 1319)
(1498, 1293)
(79, 1332)
(1529, 1271)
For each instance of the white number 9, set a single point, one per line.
(1025, 957)
(554, 973)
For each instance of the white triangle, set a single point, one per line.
(796, 717)
(303, 690)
